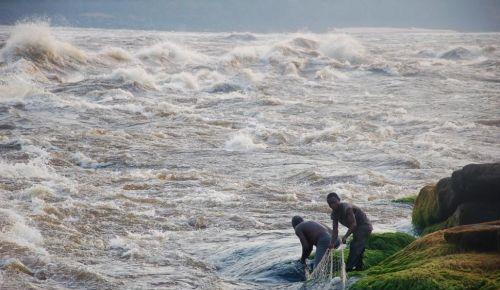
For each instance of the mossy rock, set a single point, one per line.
(471, 195)
(467, 213)
(426, 208)
(406, 200)
(432, 263)
(479, 237)
(380, 246)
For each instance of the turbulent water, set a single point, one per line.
(156, 160)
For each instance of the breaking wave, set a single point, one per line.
(136, 76)
(14, 229)
(34, 41)
(242, 142)
(167, 52)
(343, 48)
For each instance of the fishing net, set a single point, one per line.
(330, 267)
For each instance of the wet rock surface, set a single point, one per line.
(470, 195)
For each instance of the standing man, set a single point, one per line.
(357, 223)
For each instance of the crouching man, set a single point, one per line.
(312, 234)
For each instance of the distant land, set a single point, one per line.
(258, 15)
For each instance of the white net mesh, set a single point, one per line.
(330, 267)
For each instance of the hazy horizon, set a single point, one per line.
(258, 16)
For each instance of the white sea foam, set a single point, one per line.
(117, 53)
(208, 197)
(328, 73)
(244, 54)
(208, 77)
(168, 109)
(36, 167)
(138, 245)
(135, 75)
(242, 142)
(184, 81)
(14, 229)
(84, 161)
(327, 135)
(458, 126)
(130, 108)
(170, 52)
(343, 47)
(305, 41)
(34, 40)
(32, 169)
(17, 88)
(115, 94)
(252, 76)
(291, 70)
(40, 191)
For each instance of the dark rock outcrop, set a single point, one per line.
(447, 200)
(470, 195)
(464, 257)
(477, 182)
(476, 212)
(477, 237)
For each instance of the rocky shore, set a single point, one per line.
(459, 248)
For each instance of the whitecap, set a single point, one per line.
(14, 229)
(342, 47)
(134, 75)
(117, 53)
(242, 142)
(34, 41)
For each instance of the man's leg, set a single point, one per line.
(321, 248)
(360, 265)
(356, 249)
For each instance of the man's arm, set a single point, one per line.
(306, 247)
(351, 222)
(335, 231)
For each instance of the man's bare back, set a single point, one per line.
(311, 234)
(312, 231)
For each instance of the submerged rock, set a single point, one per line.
(7, 126)
(14, 145)
(198, 222)
(406, 199)
(225, 88)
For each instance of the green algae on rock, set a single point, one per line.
(382, 245)
(432, 262)
(407, 199)
(479, 237)
(471, 195)
(426, 208)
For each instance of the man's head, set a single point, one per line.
(333, 200)
(296, 220)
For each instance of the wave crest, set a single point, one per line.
(34, 41)
(344, 48)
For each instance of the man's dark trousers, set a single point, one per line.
(357, 248)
